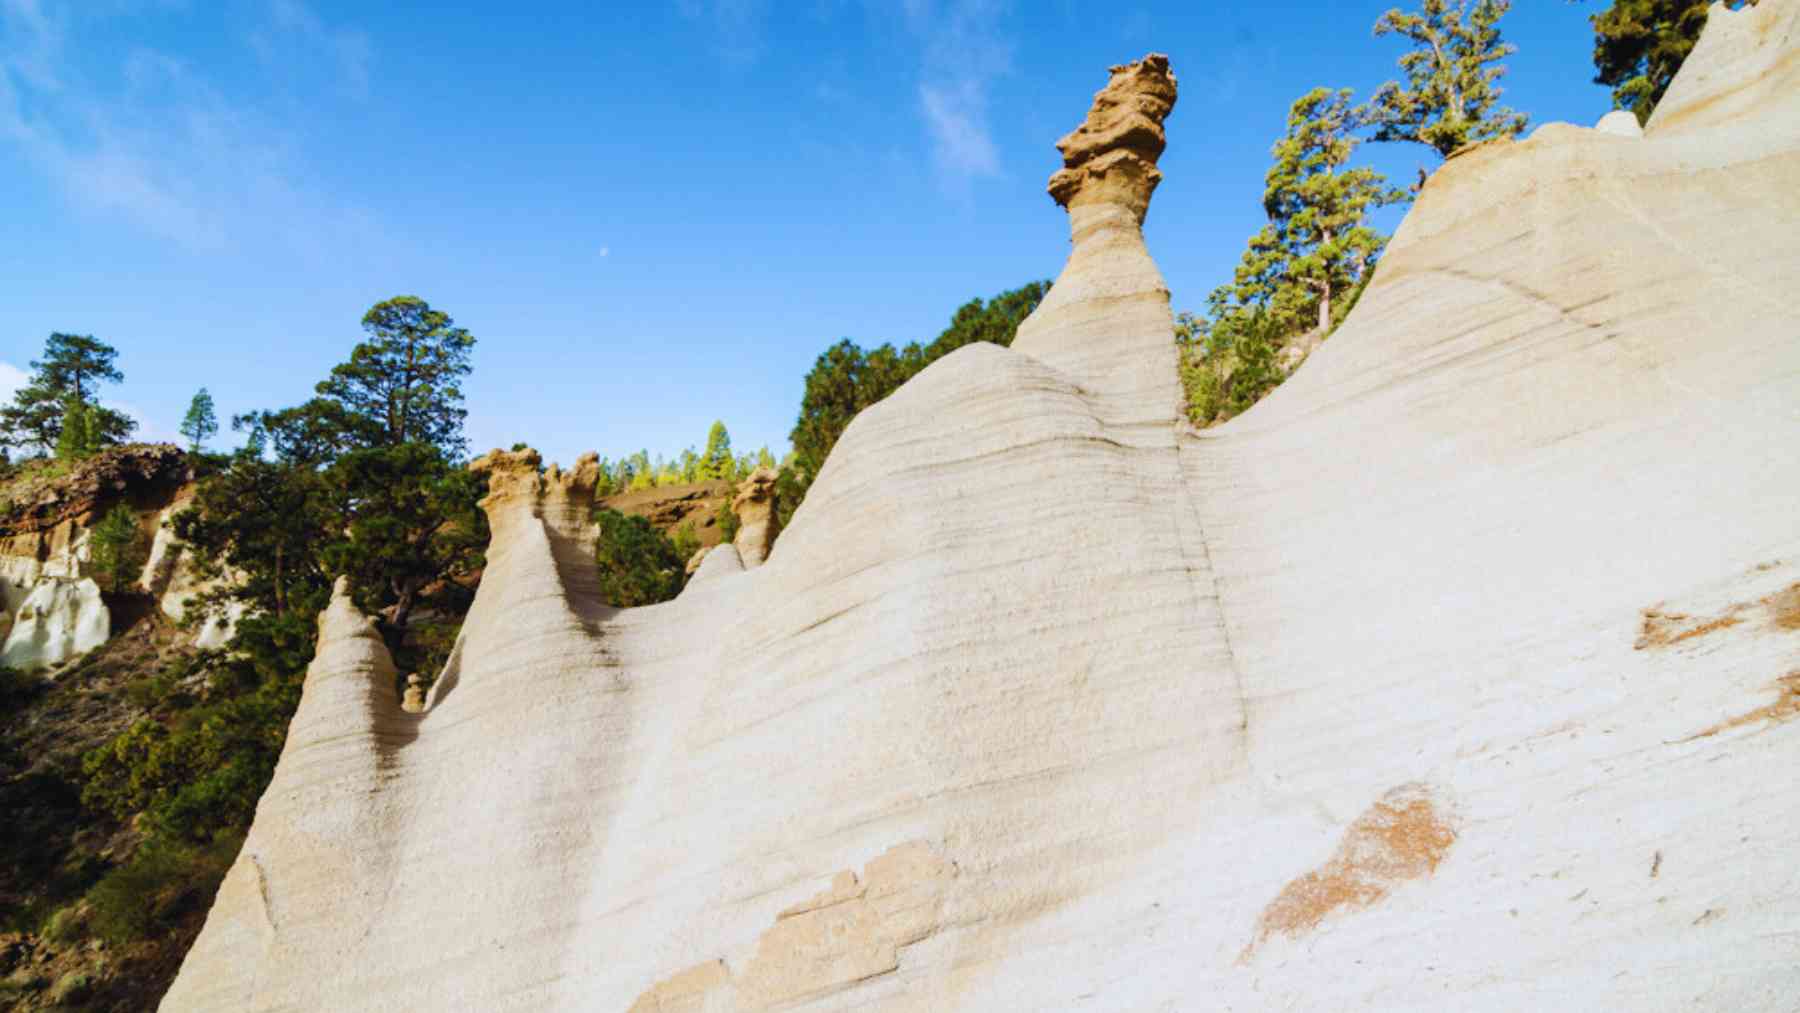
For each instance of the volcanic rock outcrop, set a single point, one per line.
(1458, 673)
(49, 611)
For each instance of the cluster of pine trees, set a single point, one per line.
(848, 378)
(1302, 272)
(715, 463)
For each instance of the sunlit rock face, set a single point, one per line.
(1459, 673)
(46, 547)
(61, 618)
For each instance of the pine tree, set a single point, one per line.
(847, 378)
(404, 383)
(115, 549)
(717, 462)
(200, 423)
(1639, 45)
(1321, 244)
(73, 366)
(76, 438)
(1452, 77)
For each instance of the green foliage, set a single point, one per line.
(639, 565)
(1639, 46)
(72, 369)
(685, 542)
(365, 480)
(266, 523)
(1228, 365)
(361, 480)
(411, 518)
(117, 549)
(1318, 208)
(200, 424)
(73, 987)
(1452, 77)
(164, 880)
(717, 462)
(78, 438)
(728, 521)
(198, 777)
(846, 379)
(404, 383)
(1299, 272)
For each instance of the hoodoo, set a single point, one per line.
(1459, 672)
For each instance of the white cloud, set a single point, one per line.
(11, 379)
(957, 118)
(962, 51)
(166, 149)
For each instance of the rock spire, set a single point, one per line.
(1111, 158)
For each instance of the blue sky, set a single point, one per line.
(650, 214)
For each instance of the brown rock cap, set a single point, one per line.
(1111, 158)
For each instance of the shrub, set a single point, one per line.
(117, 548)
(1230, 367)
(639, 565)
(65, 925)
(685, 543)
(728, 521)
(70, 988)
(162, 882)
(200, 775)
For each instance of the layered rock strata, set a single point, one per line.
(50, 612)
(1460, 671)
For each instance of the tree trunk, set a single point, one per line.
(404, 597)
(1325, 306)
(280, 593)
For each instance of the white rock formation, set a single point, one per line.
(1620, 123)
(58, 620)
(170, 574)
(1460, 673)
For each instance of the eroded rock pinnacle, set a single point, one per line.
(1111, 158)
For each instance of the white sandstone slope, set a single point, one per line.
(1458, 674)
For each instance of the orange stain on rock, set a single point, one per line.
(1785, 707)
(1664, 629)
(1784, 608)
(1402, 837)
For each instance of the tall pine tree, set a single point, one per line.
(1452, 71)
(1318, 209)
(73, 367)
(200, 424)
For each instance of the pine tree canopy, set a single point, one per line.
(73, 366)
(1452, 77)
(1639, 45)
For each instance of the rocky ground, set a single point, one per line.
(52, 848)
